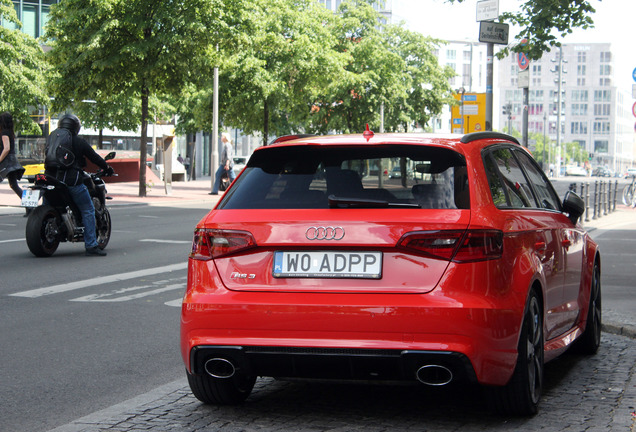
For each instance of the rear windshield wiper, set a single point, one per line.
(342, 202)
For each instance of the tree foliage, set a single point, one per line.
(542, 22)
(119, 51)
(388, 66)
(22, 71)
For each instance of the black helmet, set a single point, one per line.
(70, 122)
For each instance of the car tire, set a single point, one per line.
(43, 231)
(221, 391)
(590, 340)
(522, 393)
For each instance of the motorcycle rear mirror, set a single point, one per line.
(110, 156)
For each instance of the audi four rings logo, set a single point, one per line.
(325, 233)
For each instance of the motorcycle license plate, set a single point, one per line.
(30, 197)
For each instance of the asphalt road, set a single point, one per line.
(83, 334)
(67, 353)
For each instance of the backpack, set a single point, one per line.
(59, 150)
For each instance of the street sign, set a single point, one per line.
(487, 10)
(634, 91)
(634, 74)
(523, 61)
(522, 58)
(493, 32)
(634, 109)
(523, 78)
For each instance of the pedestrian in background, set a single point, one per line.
(10, 168)
(186, 164)
(226, 164)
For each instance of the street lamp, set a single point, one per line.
(462, 90)
(559, 80)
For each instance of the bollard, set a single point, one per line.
(595, 215)
(587, 202)
(615, 194)
(603, 209)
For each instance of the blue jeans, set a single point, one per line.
(83, 200)
(219, 173)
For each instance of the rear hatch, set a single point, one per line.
(329, 218)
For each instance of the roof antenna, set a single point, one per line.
(368, 134)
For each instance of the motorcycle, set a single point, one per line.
(58, 219)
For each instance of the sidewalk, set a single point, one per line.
(617, 321)
(127, 193)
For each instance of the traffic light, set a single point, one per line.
(506, 109)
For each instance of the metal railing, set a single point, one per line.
(602, 199)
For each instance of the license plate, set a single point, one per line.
(30, 197)
(328, 264)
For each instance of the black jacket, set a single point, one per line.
(73, 175)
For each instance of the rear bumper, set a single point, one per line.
(331, 363)
(300, 333)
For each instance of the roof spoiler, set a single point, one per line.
(289, 138)
(474, 136)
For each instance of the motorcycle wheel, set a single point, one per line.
(103, 225)
(42, 231)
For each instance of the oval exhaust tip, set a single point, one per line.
(220, 368)
(434, 375)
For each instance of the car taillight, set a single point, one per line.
(456, 246)
(214, 243)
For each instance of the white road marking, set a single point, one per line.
(166, 241)
(56, 289)
(11, 241)
(102, 297)
(174, 303)
(148, 217)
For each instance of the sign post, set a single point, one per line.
(488, 11)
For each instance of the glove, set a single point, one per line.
(109, 171)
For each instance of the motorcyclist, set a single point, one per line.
(73, 177)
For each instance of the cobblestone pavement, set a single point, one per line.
(596, 393)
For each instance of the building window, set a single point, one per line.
(606, 57)
(451, 54)
(601, 128)
(605, 70)
(578, 128)
(580, 70)
(601, 146)
(581, 57)
(602, 109)
(579, 109)
(602, 95)
(580, 82)
(605, 82)
(467, 56)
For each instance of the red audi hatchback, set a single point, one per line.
(318, 264)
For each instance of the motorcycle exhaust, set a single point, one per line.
(220, 368)
(434, 375)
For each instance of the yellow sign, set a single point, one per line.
(470, 114)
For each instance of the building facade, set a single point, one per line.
(593, 113)
(33, 14)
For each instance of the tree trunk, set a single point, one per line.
(100, 140)
(144, 138)
(265, 122)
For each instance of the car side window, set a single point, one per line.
(548, 199)
(507, 175)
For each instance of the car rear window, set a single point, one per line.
(317, 177)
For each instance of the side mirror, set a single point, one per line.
(574, 206)
(110, 156)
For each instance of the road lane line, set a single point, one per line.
(11, 241)
(166, 241)
(56, 289)
(102, 297)
(174, 303)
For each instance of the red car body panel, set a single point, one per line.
(420, 303)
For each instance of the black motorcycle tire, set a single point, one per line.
(42, 231)
(103, 227)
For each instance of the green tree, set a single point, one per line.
(285, 57)
(22, 71)
(389, 65)
(542, 22)
(118, 51)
